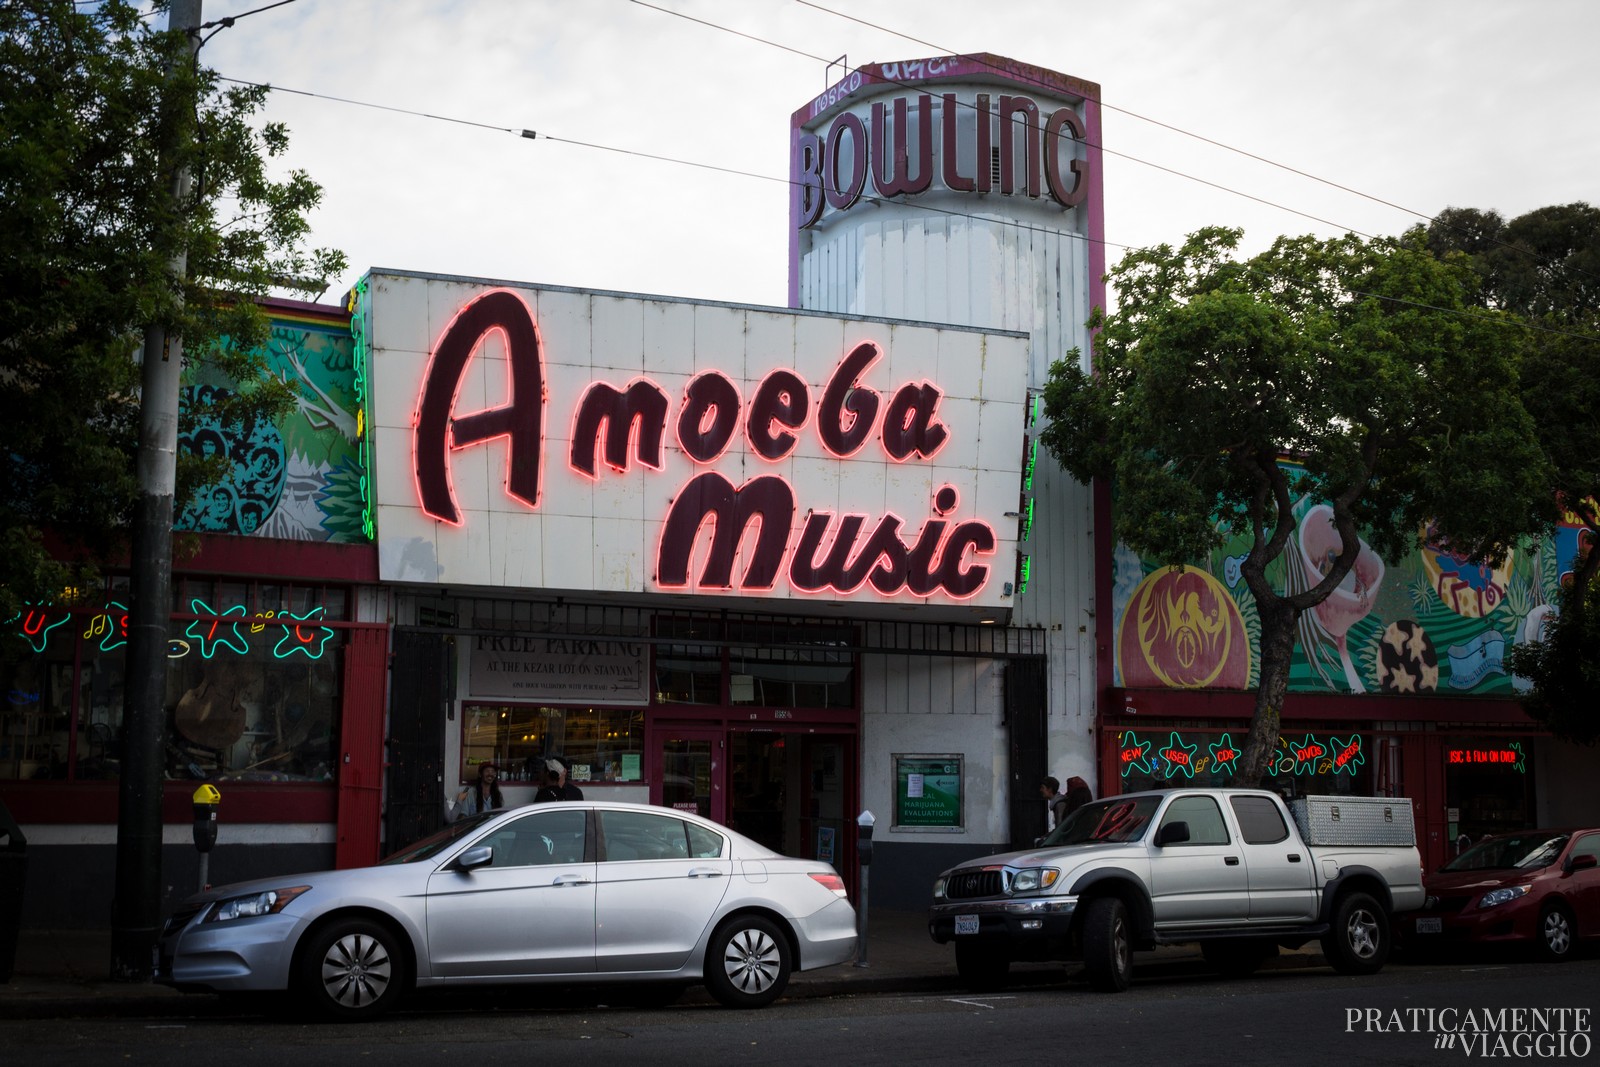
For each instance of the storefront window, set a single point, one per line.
(252, 687)
(600, 744)
(690, 672)
(769, 665)
(791, 667)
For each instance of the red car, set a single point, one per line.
(1539, 887)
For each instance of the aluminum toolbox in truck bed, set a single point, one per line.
(1355, 820)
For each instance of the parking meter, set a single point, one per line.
(864, 823)
(206, 801)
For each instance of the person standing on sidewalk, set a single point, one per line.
(1050, 789)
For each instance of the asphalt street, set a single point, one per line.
(1436, 1013)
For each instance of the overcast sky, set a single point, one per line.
(1409, 105)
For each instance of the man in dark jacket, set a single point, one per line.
(567, 790)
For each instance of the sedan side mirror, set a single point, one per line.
(1581, 862)
(474, 857)
(1172, 833)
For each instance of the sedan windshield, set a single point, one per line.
(1513, 851)
(436, 843)
(1111, 821)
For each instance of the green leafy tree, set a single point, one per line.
(1545, 266)
(1360, 360)
(86, 95)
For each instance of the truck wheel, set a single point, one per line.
(981, 967)
(1555, 933)
(1107, 945)
(1236, 958)
(1358, 943)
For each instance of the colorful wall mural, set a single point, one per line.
(299, 478)
(1428, 623)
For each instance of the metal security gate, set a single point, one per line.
(1027, 717)
(421, 690)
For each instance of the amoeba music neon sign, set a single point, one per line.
(615, 427)
(1179, 757)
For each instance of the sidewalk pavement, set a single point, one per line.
(65, 973)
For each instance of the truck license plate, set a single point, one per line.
(1430, 926)
(966, 924)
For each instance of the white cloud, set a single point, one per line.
(1424, 104)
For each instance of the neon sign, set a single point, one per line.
(1510, 756)
(111, 626)
(811, 549)
(212, 633)
(37, 622)
(1178, 757)
(1224, 755)
(1309, 755)
(215, 633)
(357, 307)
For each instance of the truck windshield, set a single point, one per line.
(1111, 821)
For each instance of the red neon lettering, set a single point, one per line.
(847, 414)
(709, 417)
(936, 561)
(781, 400)
(1176, 755)
(521, 421)
(633, 419)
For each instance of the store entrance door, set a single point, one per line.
(791, 792)
(689, 765)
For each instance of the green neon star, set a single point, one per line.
(1223, 754)
(214, 633)
(303, 639)
(1179, 756)
(1347, 755)
(116, 615)
(36, 624)
(1133, 753)
(1520, 765)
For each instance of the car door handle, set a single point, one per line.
(705, 872)
(1294, 857)
(1231, 861)
(569, 879)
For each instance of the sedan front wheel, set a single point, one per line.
(352, 970)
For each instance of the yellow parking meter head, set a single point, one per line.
(208, 794)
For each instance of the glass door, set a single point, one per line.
(688, 771)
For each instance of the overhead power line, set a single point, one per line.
(867, 198)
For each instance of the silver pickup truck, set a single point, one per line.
(1233, 870)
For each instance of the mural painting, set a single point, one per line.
(298, 479)
(1429, 623)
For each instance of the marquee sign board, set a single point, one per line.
(562, 439)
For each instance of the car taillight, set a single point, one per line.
(831, 882)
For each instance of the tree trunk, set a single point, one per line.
(1278, 621)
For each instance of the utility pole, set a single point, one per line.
(136, 903)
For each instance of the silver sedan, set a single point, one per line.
(552, 893)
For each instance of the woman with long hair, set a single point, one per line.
(481, 795)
